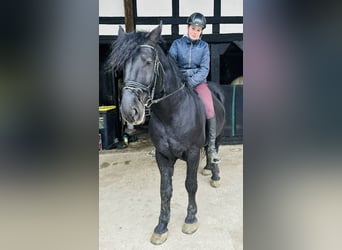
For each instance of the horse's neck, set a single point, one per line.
(171, 81)
(171, 90)
(175, 95)
(166, 83)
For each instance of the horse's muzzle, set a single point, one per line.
(132, 109)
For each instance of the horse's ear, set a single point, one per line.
(154, 35)
(121, 31)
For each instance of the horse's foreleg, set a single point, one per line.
(166, 167)
(191, 225)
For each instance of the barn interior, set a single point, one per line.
(227, 57)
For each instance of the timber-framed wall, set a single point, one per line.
(175, 20)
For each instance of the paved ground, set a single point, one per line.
(129, 201)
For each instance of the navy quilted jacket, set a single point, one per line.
(193, 59)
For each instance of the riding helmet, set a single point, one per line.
(197, 19)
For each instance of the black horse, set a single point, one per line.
(177, 122)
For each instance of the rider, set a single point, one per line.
(193, 58)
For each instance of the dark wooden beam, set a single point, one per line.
(170, 20)
(210, 38)
(111, 20)
(129, 16)
(175, 15)
(217, 13)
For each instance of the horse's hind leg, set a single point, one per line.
(166, 167)
(213, 169)
(207, 169)
(215, 177)
(190, 224)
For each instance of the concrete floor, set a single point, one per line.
(129, 201)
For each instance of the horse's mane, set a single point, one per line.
(125, 46)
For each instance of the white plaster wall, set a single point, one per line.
(163, 8)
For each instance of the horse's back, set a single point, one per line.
(218, 100)
(216, 90)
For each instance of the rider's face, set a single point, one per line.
(194, 32)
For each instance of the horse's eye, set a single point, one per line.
(149, 61)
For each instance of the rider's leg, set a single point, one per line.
(206, 97)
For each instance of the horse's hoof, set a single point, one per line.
(206, 172)
(190, 228)
(215, 184)
(158, 239)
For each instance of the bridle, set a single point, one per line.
(158, 72)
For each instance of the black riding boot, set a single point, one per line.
(211, 132)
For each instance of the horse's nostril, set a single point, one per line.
(134, 112)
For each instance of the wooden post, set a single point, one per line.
(175, 14)
(129, 17)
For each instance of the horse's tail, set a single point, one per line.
(216, 90)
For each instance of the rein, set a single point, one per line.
(131, 84)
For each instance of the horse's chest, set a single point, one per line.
(173, 147)
(170, 139)
(175, 141)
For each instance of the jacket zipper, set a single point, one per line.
(190, 55)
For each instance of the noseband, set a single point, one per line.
(133, 85)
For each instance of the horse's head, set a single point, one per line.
(140, 73)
